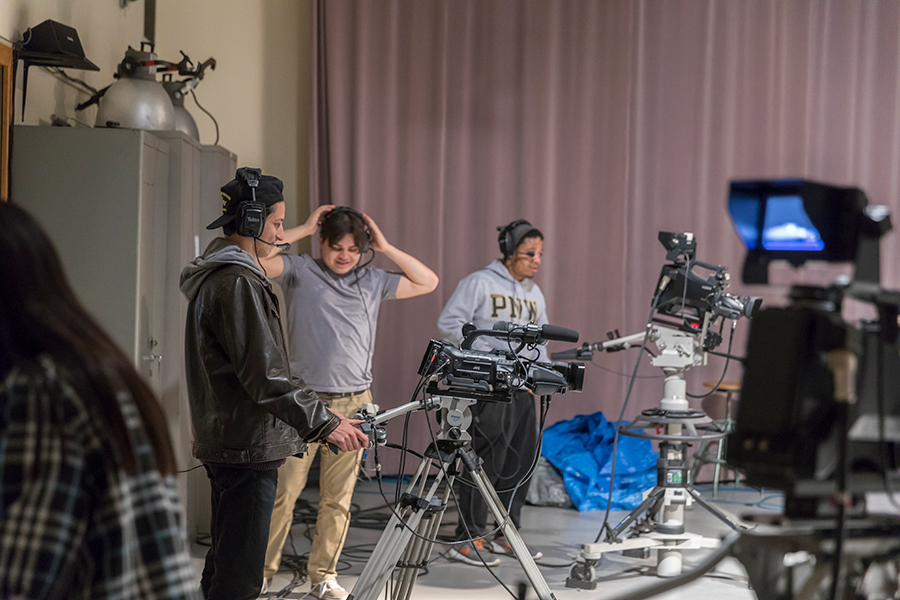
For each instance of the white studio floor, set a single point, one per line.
(557, 532)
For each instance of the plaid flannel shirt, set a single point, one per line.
(72, 523)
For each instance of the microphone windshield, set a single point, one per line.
(559, 334)
(539, 334)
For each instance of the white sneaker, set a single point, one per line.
(328, 589)
(267, 581)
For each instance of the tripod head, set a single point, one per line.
(678, 347)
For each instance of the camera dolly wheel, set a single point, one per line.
(582, 575)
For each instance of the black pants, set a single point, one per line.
(505, 437)
(242, 501)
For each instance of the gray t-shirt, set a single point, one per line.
(331, 322)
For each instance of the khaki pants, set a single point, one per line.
(337, 478)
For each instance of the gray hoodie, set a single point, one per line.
(491, 295)
(220, 252)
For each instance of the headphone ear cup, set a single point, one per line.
(506, 237)
(251, 219)
(367, 243)
(505, 241)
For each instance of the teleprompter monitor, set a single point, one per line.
(795, 220)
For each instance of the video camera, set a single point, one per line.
(685, 294)
(491, 376)
(820, 401)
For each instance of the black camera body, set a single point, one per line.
(471, 373)
(492, 376)
(795, 422)
(685, 294)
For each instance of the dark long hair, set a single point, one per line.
(40, 315)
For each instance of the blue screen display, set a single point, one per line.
(786, 226)
(745, 216)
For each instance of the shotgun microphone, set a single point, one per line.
(534, 334)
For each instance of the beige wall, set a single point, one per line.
(259, 92)
(105, 30)
(260, 88)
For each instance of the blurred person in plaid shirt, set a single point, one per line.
(88, 506)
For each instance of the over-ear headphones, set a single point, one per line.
(508, 239)
(346, 210)
(251, 214)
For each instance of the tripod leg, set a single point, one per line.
(395, 537)
(509, 530)
(731, 521)
(641, 508)
(419, 552)
(407, 567)
(718, 468)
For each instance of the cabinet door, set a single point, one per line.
(184, 190)
(152, 249)
(85, 186)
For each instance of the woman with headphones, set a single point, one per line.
(504, 435)
(332, 307)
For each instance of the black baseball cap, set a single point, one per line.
(269, 192)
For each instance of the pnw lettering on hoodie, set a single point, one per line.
(515, 306)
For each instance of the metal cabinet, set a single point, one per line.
(195, 175)
(127, 210)
(102, 196)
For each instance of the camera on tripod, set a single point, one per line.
(820, 398)
(687, 295)
(492, 376)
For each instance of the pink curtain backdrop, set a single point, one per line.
(601, 122)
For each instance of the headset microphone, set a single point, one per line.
(282, 247)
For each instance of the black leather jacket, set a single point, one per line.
(245, 405)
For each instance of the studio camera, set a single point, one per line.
(492, 375)
(820, 399)
(686, 294)
(697, 301)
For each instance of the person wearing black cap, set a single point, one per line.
(503, 435)
(248, 411)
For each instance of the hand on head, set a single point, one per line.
(378, 242)
(315, 218)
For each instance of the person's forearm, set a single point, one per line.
(295, 234)
(414, 269)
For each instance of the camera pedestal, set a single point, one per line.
(421, 511)
(664, 505)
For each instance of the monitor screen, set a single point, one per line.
(796, 219)
(786, 226)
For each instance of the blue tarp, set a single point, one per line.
(581, 448)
